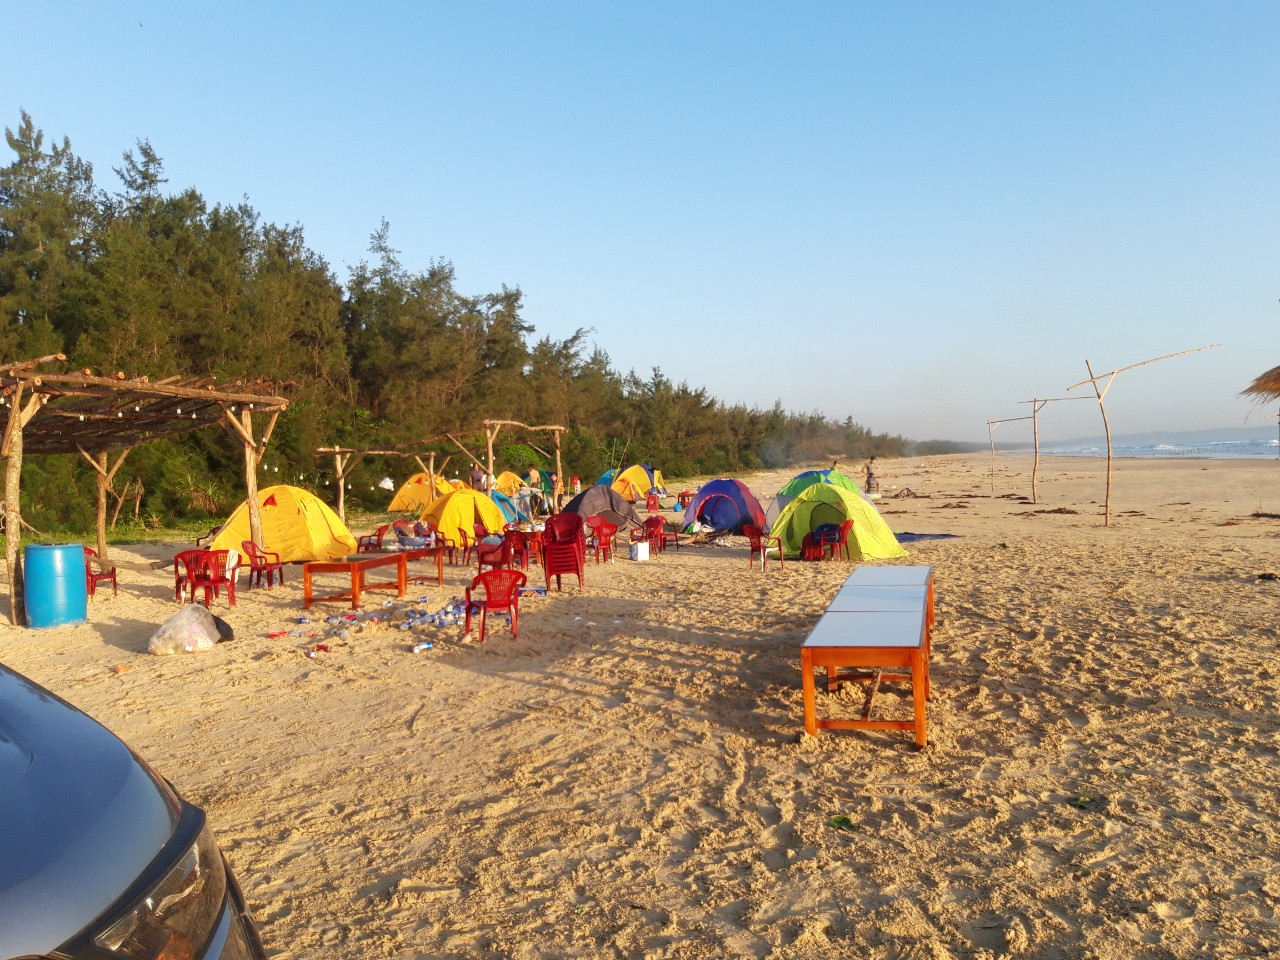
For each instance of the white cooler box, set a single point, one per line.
(640, 551)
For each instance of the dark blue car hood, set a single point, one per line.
(80, 818)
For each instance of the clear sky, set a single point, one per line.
(912, 214)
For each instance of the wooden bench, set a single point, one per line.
(881, 619)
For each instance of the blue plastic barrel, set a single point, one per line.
(54, 585)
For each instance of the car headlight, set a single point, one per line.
(175, 917)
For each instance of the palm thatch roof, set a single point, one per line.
(1265, 387)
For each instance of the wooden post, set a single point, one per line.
(11, 450)
(1101, 393)
(555, 507)
(490, 434)
(105, 476)
(1036, 404)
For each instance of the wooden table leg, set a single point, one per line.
(402, 575)
(357, 584)
(919, 691)
(306, 588)
(810, 694)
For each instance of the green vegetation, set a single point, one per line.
(147, 282)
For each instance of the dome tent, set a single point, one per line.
(635, 482)
(803, 481)
(869, 539)
(724, 505)
(416, 493)
(599, 500)
(462, 510)
(508, 483)
(507, 506)
(296, 524)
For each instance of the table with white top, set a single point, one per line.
(880, 620)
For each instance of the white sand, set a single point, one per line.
(629, 777)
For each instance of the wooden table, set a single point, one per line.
(356, 567)
(420, 553)
(881, 618)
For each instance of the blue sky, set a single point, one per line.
(915, 215)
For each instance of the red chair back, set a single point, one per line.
(563, 528)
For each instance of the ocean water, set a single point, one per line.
(1200, 445)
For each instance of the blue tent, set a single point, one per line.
(507, 506)
(725, 505)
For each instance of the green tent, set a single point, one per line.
(803, 481)
(870, 538)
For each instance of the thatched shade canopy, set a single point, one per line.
(1266, 387)
(95, 416)
(86, 413)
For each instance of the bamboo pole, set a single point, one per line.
(1035, 434)
(1101, 393)
(991, 431)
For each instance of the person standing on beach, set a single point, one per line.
(477, 477)
(871, 483)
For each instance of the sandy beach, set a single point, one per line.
(629, 778)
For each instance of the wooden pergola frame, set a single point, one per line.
(346, 458)
(94, 416)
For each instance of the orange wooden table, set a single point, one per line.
(420, 553)
(867, 642)
(881, 618)
(356, 570)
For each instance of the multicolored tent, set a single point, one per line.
(462, 510)
(802, 481)
(295, 524)
(636, 481)
(416, 493)
(724, 505)
(869, 539)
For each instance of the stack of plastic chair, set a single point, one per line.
(564, 548)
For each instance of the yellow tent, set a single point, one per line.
(508, 483)
(635, 482)
(462, 510)
(295, 524)
(416, 493)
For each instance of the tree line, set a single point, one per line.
(145, 281)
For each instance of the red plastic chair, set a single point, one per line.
(210, 572)
(837, 548)
(465, 545)
(652, 504)
(372, 542)
(499, 555)
(810, 549)
(262, 563)
(501, 592)
(603, 539)
(656, 532)
(761, 543)
(182, 572)
(95, 572)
